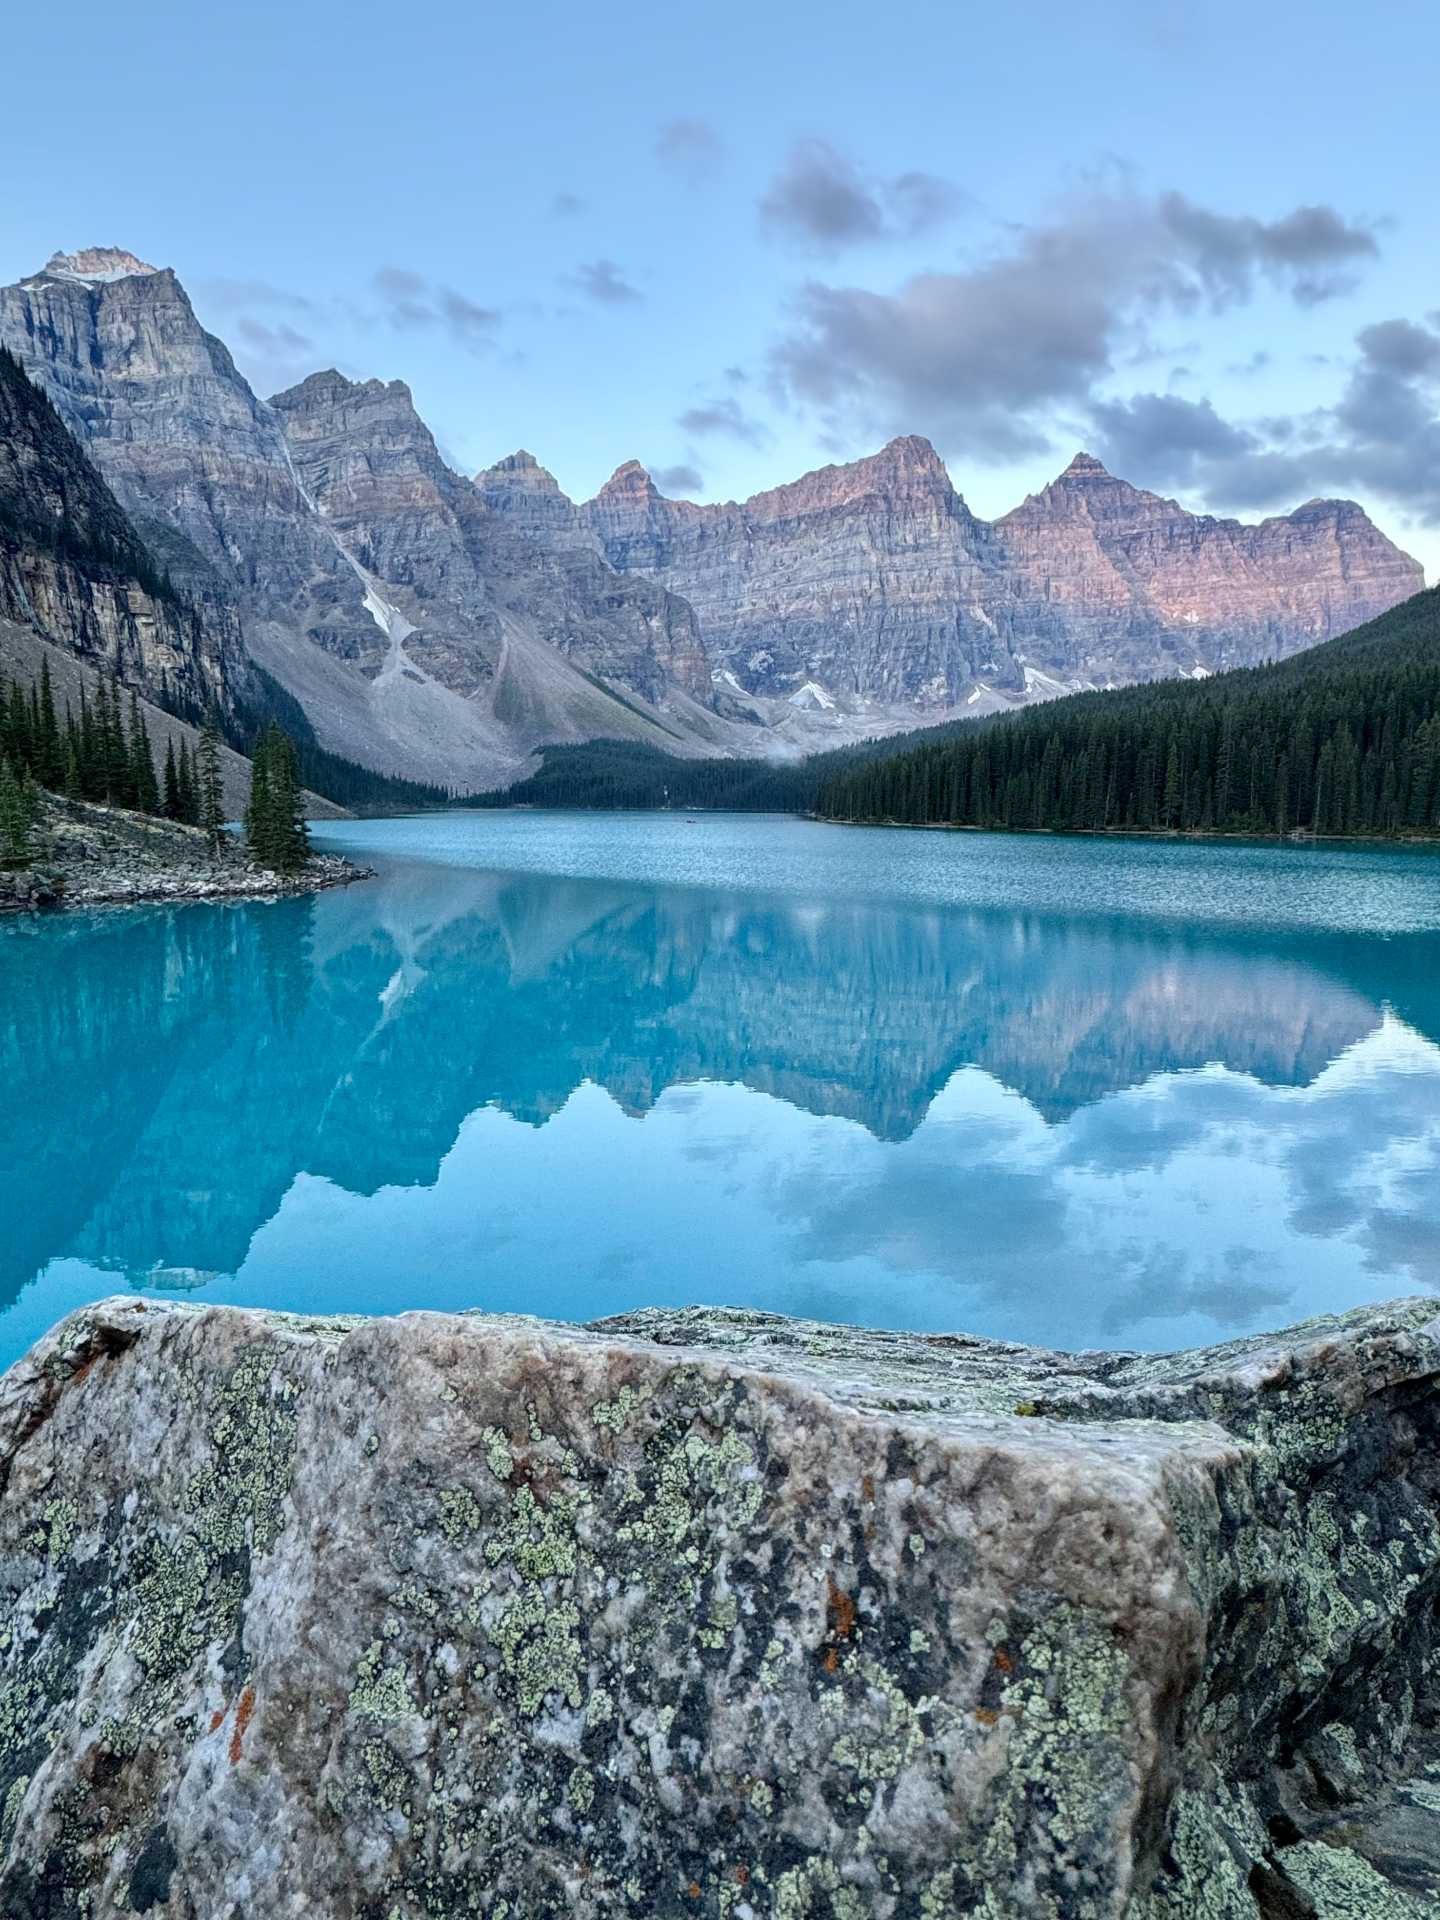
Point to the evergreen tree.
(289, 804)
(49, 761)
(188, 786)
(275, 818)
(259, 809)
(17, 817)
(143, 786)
(170, 785)
(209, 785)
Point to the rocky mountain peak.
(911, 453)
(315, 386)
(1085, 464)
(631, 481)
(518, 469)
(96, 264)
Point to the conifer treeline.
(1341, 740)
(104, 753)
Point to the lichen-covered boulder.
(715, 1614)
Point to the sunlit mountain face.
(883, 1078)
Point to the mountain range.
(444, 627)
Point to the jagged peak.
(1086, 463)
(97, 265)
(912, 451)
(323, 380)
(330, 383)
(627, 480)
(521, 470)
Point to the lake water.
(1072, 1092)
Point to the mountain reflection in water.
(462, 1087)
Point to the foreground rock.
(90, 856)
(713, 1613)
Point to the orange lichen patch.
(216, 1717)
(243, 1715)
(987, 1716)
(867, 1487)
(84, 1367)
(841, 1609)
(1003, 1661)
(742, 1876)
(693, 1890)
(832, 1660)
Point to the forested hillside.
(625, 774)
(1342, 739)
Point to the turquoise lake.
(1070, 1092)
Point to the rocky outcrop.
(73, 567)
(874, 581)
(87, 855)
(715, 1613)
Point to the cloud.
(411, 303)
(1380, 437)
(1307, 250)
(724, 417)
(603, 281)
(679, 480)
(986, 357)
(465, 318)
(235, 294)
(820, 201)
(691, 149)
(274, 341)
(566, 205)
(1165, 438)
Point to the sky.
(737, 243)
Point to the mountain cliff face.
(72, 567)
(1117, 584)
(371, 466)
(875, 580)
(484, 644)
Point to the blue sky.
(739, 242)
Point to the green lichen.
(380, 1692)
(1345, 1887)
(459, 1513)
(62, 1526)
(540, 1646)
(498, 1456)
(538, 1540)
(387, 1784)
(617, 1414)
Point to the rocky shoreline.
(89, 856)
(716, 1613)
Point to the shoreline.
(40, 891)
(1407, 841)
